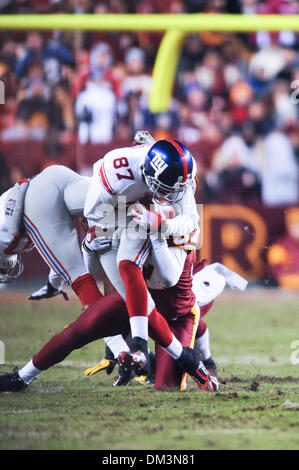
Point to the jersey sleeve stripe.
(105, 181)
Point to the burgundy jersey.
(199, 265)
(179, 299)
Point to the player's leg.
(158, 327)
(132, 253)
(168, 373)
(50, 226)
(202, 344)
(107, 316)
(171, 373)
(136, 298)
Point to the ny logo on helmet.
(158, 164)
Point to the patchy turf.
(257, 407)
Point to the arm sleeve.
(169, 262)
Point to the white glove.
(93, 243)
(143, 138)
(148, 220)
(47, 292)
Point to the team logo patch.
(11, 203)
(158, 164)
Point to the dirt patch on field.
(261, 378)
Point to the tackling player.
(109, 316)
(209, 281)
(163, 172)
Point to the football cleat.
(190, 362)
(138, 358)
(107, 363)
(12, 382)
(124, 376)
(210, 366)
(136, 361)
(46, 292)
(144, 379)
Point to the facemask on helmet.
(168, 169)
(11, 267)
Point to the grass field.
(256, 408)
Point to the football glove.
(46, 292)
(93, 243)
(148, 220)
(143, 138)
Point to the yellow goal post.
(175, 26)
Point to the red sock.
(201, 329)
(158, 329)
(86, 289)
(136, 290)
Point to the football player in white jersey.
(161, 173)
(41, 212)
(171, 268)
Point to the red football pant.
(106, 317)
(168, 374)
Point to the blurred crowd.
(235, 95)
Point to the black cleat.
(210, 365)
(124, 376)
(137, 359)
(190, 362)
(12, 382)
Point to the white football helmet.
(11, 267)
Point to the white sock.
(203, 343)
(29, 372)
(175, 348)
(117, 344)
(139, 327)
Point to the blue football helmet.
(168, 170)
